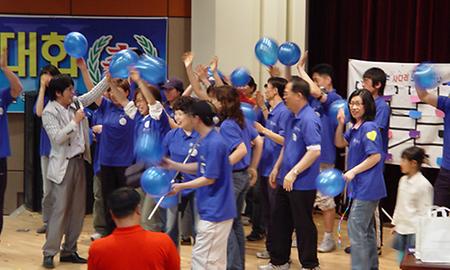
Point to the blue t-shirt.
(303, 130)
(97, 119)
(145, 124)
(169, 111)
(117, 143)
(383, 113)
(444, 105)
(275, 122)
(363, 142)
(44, 144)
(234, 135)
(328, 149)
(216, 202)
(5, 100)
(177, 145)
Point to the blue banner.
(34, 42)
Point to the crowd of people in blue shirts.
(221, 156)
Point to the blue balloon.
(155, 181)
(266, 50)
(75, 44)
(248, 111)
(335, 107)
(425, 76)
(330, 182)
(149, 148)
(289, 53)
(121, 63)
(168, 201)
(240, 77)
(152, 69)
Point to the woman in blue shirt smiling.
(365, 174)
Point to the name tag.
(122, 121)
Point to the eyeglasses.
(356, 104)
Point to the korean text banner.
(34, 42)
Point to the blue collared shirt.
(383, 113)
(276, 121)
(303, 132)
(363, 142)
(444, 105)
(5, 100)
(44, 144)
(216, 202)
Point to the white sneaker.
(263, 254)
(274, 267)
(327, 245)
(96, 236)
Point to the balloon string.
(340, 222)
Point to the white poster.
(412, 122)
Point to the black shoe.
(185, 241)
(348, 250)
(42, 229)
(48, 262)
(72, 258)
(255, 236)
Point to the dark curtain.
(378, 30)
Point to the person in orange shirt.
(131, 247)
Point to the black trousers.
(267, 203)
(3, 182)
(442, 188)
(293, 210)
(258, 223)
(112, 178)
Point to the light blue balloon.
(75, 44)
(425, 76)
(240, 77)
(121, 63)
(266, 50)
(168, 201)
(152, 69)
(336, 106)
(155, 181)
(148, 148)
(330, 182)
(289, 53)
(248, 111)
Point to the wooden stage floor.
(20, 247)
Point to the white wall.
(231, 28)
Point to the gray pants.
(361, 231)
(67, 214)
(156, 224)
(99, 207)
(46, 202)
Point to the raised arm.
(95, 94)
(315, 90)
(14, 82)
(339, 139)
(426, 96)
(187, 59)
(85, 73)
(44, 80)
(214, 68)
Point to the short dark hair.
(58, 84)
(377, 75)
(279, 83)
(228, 97)
(183, 103)
(415, 153)
(368, 103)
(323, 69)
(301, 86)
(205, 111)
(123, 202)
(49, 69)
(251, 83)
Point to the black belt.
(76, 156)
(241, 170)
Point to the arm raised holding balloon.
(85, 74)
(315, 90)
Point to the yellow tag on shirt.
(371, 135)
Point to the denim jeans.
(361, 231)
(236, 239)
